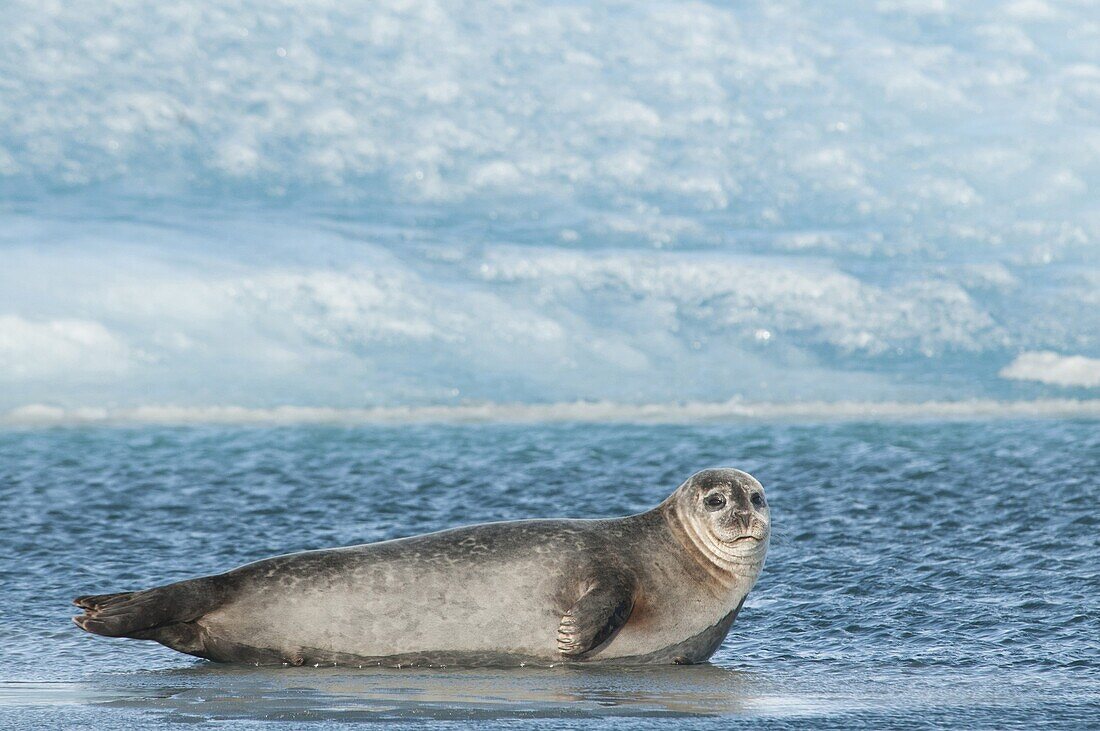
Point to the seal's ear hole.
(715, 501)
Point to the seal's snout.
(744, 517)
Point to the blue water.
(919, 574)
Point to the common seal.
(663, 586)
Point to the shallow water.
(919, 573)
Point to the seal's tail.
(143, 614)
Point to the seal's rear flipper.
(151, 614)
(596, 616)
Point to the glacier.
(415, 204)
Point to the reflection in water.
(916, 597)
(209, 691)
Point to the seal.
(659, 587)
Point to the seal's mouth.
(739, 539)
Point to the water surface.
(919, 573)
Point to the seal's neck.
(728, 569)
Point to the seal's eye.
(714, 501)
(758, 499)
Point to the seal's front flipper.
(595, 618)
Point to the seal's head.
(725, 515)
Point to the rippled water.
(918, 572)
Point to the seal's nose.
(744, 517)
